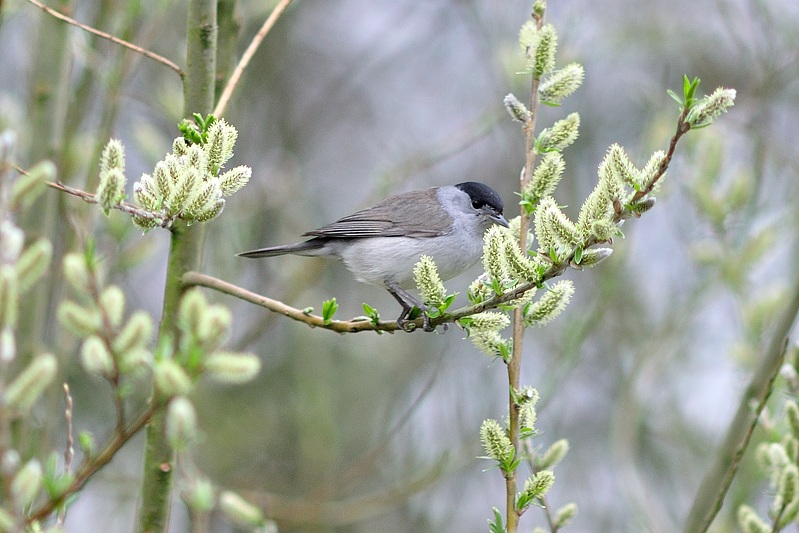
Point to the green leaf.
(329, 308)
(497, 525)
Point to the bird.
(382, 244)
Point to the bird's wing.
(412, 214)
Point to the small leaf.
(329, 308)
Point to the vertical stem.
(514, 365)
(184, 255)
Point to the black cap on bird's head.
(484, 198)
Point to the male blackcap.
(381, 245)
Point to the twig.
(122, 206)
(130, 46)
(92, 464)
(235, 77)
(713, 489)
(514, 365)
(69, 451)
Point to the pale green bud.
(525, 399)
(561, 83)
(553, 229)
(9, 297)
(144, 197)
(113, 157)
(8, 344)
(95, 357)
(706, 110)
(186, 187)
(494, 261)
(234, 179)
(479, 290)
(604, 230)
(542, 52)
(206, 195)
(215, 326)
(546, 177)
(27, 483)
(554, 454)
(519, 265)
(27, 188)
(77, 273)
(181, 423)
(596, 207)
(642, 206)
(179, 146)
(197, 158)
(219, 148)
(490, 320)
(240, 511)
(112, 302)
(425, 274)
(791, 446)
(561, 135)
(12, 239)
(135, 334)
(229, 367)
(10, 462)
(792, 415)
(200, 495)
(495, 441)
(79, 320)
(192, 311)
(162, 179)
(539, 484)
(7, 521)
(111, 189)
(565, 514)
(28, 386)
(134, 359)
(621, 168)
(33, 263)
(593, 257)
(87, 444)
(750, 522)
(787, 489)
(550, 304)
(528, 34)
(491, 343)
(517, 110)
(211, 211)
(171, 379)
(651, 169)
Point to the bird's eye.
(476, 204)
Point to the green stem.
(184, 255)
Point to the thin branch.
(130, 46)
(92, 464)
(69, 451)
(514, 365)
(235, 77)
(122, 206)
(713, 489)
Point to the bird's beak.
(499, 219)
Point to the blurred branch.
(146, 53)
(349, 511)
(710, 495)
(247, 56)
(92, 464)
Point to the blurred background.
(352, 100)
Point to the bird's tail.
(309, 247)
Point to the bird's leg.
(408, 302)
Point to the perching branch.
(122, 206)
(130, 46)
